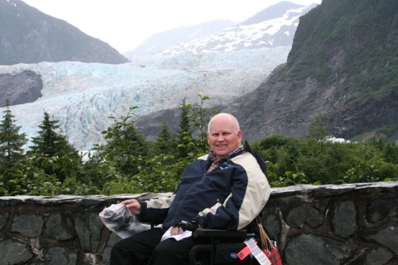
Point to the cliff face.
(30, 36)
(343, 64)
(20, 88)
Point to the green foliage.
(162, 172)
(128, 163)
(11, 150)
(318, 129)
(185, 145)
(296, 161)
(368, 161)
(166, 142)
(200, 118)
(52, 152)
(49, 141)
(126, 149)
(193, 123)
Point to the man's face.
(223, 136)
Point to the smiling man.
(225, 189)
(223, 134)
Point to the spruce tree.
(52, 151)
(185, 132)
(166, 143)
(49, 141)
(11, 146)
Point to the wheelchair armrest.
(219, 233)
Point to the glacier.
(82, 96)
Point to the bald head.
(225, 117)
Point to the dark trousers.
(145, 248)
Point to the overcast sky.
(125, 24)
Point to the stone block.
(14, 252)
(29, 225)
(313, 249)
(58, 228)
(88, 227)
(344, 219)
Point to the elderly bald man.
(225, 189)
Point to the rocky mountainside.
(20, 88)
(343, 65)
(82, 96)
(30, 36)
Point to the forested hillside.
(343, 64)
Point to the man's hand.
(133, 205)
(183, 226)
(175, 230)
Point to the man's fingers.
(129, 201)
(176, 231)
(133, 205)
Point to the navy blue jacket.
(229, 197)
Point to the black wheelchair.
(222, 246)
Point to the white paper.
(184, 234)
(257, 253)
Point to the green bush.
(117, 167)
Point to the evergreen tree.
(166, 143)
(49, 141)
(11, 147)
(185, 132)
(52, 151)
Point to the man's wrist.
(190, 226)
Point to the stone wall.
(320, 225)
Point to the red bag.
(269, 248)
(273, 256)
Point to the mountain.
(30, 36)
(343, 65)
(83, 95)
(166, 39)
(273, 27)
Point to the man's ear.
(240, 134)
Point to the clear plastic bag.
(121, 221)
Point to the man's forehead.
(222, 128)
(219, 130)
